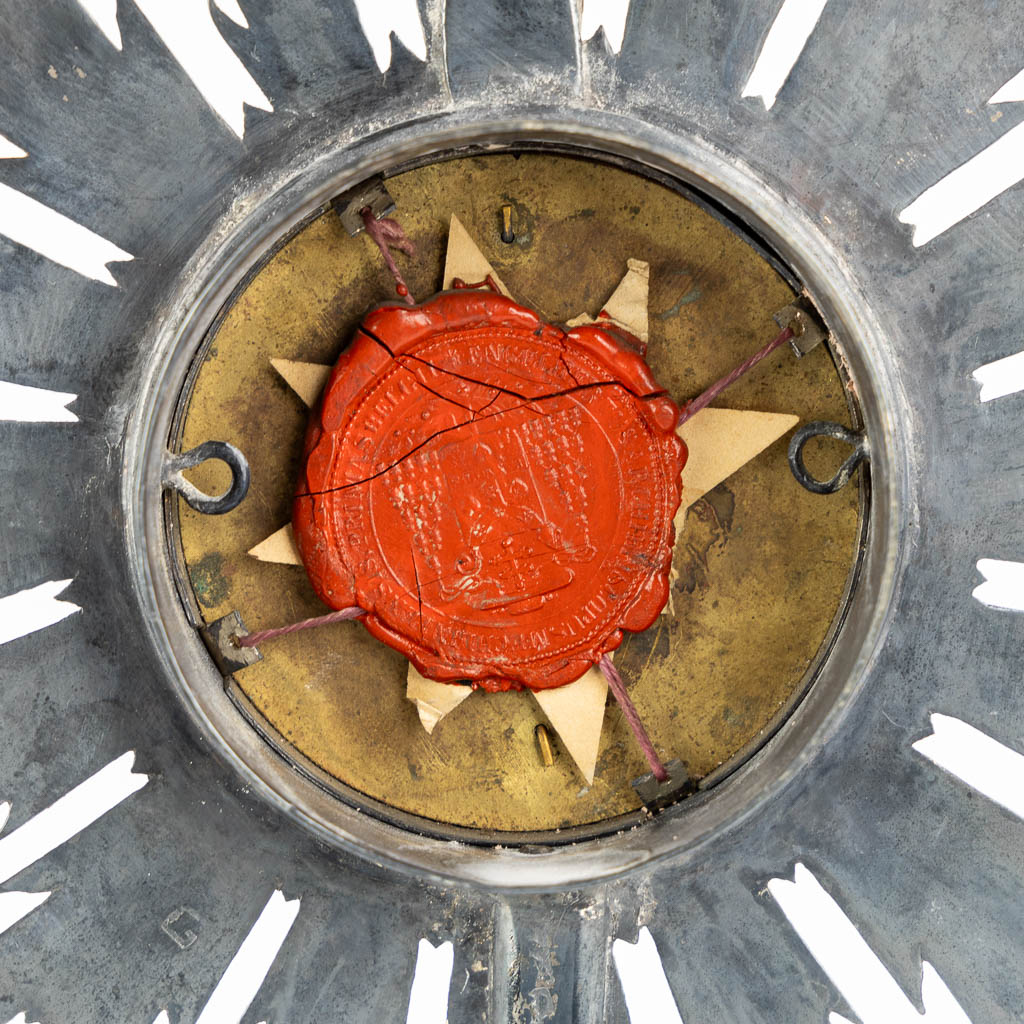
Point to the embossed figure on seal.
(495, 492)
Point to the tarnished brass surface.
(762, 563)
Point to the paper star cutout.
(576, 713)
(279, 547)
(720, 442)
(307, 380)
(465, 261)
(433, 700)
(628, 305)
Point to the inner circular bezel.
(237, 252)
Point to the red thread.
(252, 639)
(618, 688)
(705, 399)
(388, 234)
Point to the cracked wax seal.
(496, 493)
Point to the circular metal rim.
(409, 821)
(296, 195)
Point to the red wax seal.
(495, 492)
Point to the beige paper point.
(465, 260)
(721, 441)
(278, 547)
(576, 713)
(628, 305)
(433, 700)
(307, 380)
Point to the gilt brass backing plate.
(763, 566)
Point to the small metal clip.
(208, 504)
(808, 330)
(845, 471)
(349, 205)
(228, 655)
(655, 795)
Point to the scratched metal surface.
(761, 564)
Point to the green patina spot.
(208, 581)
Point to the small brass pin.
(507, 234)
(544, 742)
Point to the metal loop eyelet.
(214, 505)
(820, 428)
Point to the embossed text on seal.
(495, 492)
